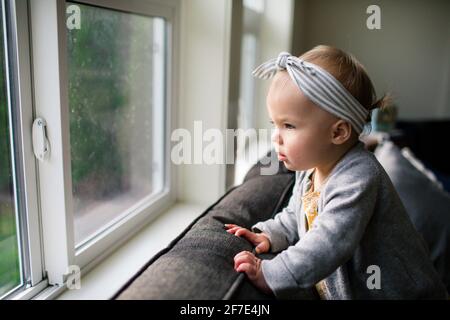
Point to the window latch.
(41, 146)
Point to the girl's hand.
(260, 240)
(247, 262)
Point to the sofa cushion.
(427, 205)
(199, 263)
(412, 159)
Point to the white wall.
(408, 56)
(275, 36)
(204, 75)
(203, 86)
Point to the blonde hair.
(350, 72)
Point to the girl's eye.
(289, 126)
(285, 125)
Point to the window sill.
(105, 279)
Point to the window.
(102, 75)
(116, 100)
(10, 270)
(21, 267)
(104, 88)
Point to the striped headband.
(319, 86)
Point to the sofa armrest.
(198, 264)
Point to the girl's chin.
(288, 165)
(291, 166)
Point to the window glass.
(116, 98)
(9, 250)
(247, 150)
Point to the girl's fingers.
(262, 247)
(244, 232)
(248, 268)
(242, 259)
(244, 256)
(244, 253)
(233, 230)
(256, 239)
(230, 225)
(239, 261)
(246, 262)
(239, 231)
(250, 236)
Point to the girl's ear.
(341, 131)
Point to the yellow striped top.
(310, 206)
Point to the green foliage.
(96, 98)
(9, 259)
(5, 164)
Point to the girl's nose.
(276, 137)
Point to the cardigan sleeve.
(283, 228)
(349, 200)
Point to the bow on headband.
(319, 86)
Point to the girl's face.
(302, 130)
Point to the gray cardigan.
(362, 231)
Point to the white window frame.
(19, 96)
(48, 23)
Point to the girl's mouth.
(281, 157)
